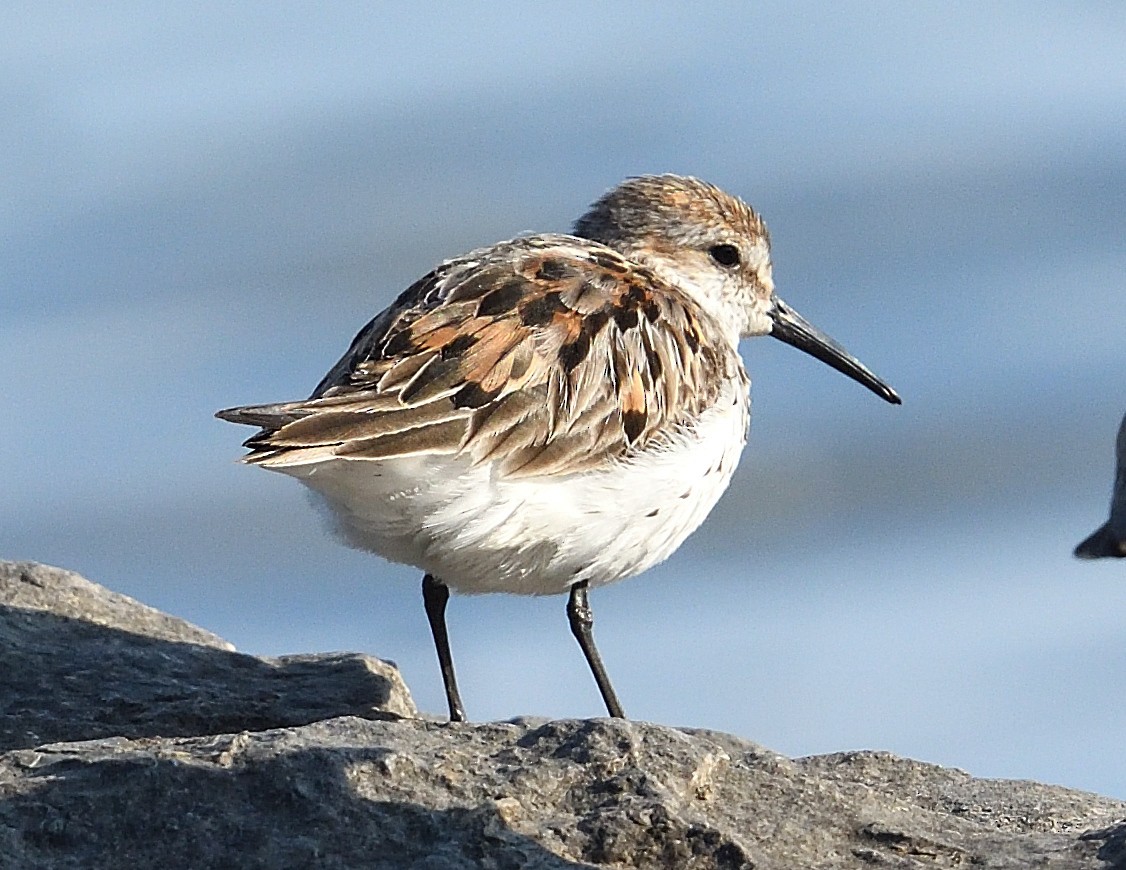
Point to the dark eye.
(725, 255)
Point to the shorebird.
(550, 413)
(1109, 540)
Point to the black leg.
(582, 619)
(435, 594)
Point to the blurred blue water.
(199, 209)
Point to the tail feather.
(267, 416)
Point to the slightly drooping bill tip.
(795, 330)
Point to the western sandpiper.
(553, 412)
(1109, 539)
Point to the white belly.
(480, 532)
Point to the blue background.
(200, 207)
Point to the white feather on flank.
(481, 531)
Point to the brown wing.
(546, 354)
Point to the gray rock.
(79, 662)
(388, 792)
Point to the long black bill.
(792, 328)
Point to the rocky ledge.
(133, 739)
